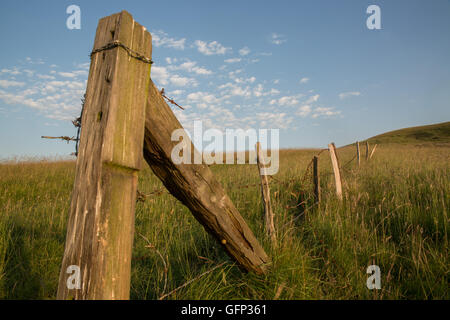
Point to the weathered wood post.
(316, 181)
(195, 186)
(367, 150)
(373, 151)
(358, 156)
(336, 170)
(265, 192)
(101, 218)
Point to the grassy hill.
(435, 133)
(394, 214)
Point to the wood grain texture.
(101, 216)
(195, 186)
(265, 192)
(336, 169)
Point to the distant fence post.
(367, 150)
(265, 191)
(337, 173)
(373, 150)
(358, 155)
(100, 226)
(316, 181)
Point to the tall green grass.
(394, 214)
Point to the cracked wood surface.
(196, 187)
(100, 225)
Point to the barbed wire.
(169, 99)
(66, 138)
(130, 52)
(141, 197)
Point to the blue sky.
(310, 68)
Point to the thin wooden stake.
(97, 256)
(265, 191)
(316, 181)
(358, 155)
(367, 150)
(337, 173)
(373, 151)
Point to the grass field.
(394, 214)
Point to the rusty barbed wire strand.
(131, 52)
(66, 138)
(77, 123)
(141, 197)
(170, 100)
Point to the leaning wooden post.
(367, 150)
(337, 173)
(100, 228)
(358, 155)
(265, 191)
(373, 151)
(195, 185)
(316, 181)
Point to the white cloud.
(67, 74)
(244, 80)
(182, 81)
(162, 39)
(244, 51)
(312, 99)
(274, 120)
(13, 71)
(233, 60)
(277, 38)
(327, 112)
(211, 48)
(304, 110)
(304, 80)
(11, 83)
(160, 75)
(191, 66)
(45, 76)
(176, 92)
(287, 100)
(344, 95)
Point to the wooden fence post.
(358, 155)
(316, 181)
(373, 150)
(367, 150)
(265, 192)
(337, 173)
(100, 226)
(195, 186)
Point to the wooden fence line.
(126, 119)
